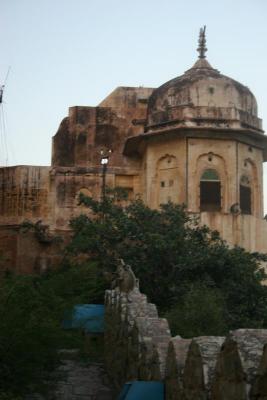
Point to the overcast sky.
(75, 52)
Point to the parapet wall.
(139, 346)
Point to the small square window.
(162, 184)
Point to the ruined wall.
(22, 252)
(138, 346)
(87, 130)
(24, 194)
(51, 193)
(76, 151)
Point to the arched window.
(210, 191)
(245, 195)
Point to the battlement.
(139, 346)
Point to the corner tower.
(203, 145)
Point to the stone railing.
(139, 346)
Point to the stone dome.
(202, 96)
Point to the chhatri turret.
(203, 145)
(203, 97)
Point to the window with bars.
(210, 191)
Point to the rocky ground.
(82, 381)
(78, 379)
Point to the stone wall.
(139, 346)
(24, 194)
(22, 252)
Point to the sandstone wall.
(24, 194)
(77, 145)
(87, 130)
(22, 252)
(138, 346)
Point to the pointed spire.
(202, 42)
(202, 64)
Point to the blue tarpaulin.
(89, 317)
(141, 390)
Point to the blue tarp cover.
(89, 317)
(141, 390)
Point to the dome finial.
(202, 42)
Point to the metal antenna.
(202, 42)
(2, 87)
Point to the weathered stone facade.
(196, 140)
(138, 346)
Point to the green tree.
(201, 311)
(169, 251)
(29, 331)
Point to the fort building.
(196, 139)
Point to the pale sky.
(64, 53)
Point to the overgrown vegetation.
(202, 285)
(32, 309)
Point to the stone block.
(239, 364)
(200, 366)
(176, 357)
(259, 388)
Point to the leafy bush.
(31, 312)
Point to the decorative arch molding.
(249, 188)
(250, 165)
(167, 161)
(212, 161)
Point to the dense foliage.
(204, 286)
(32, 309)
